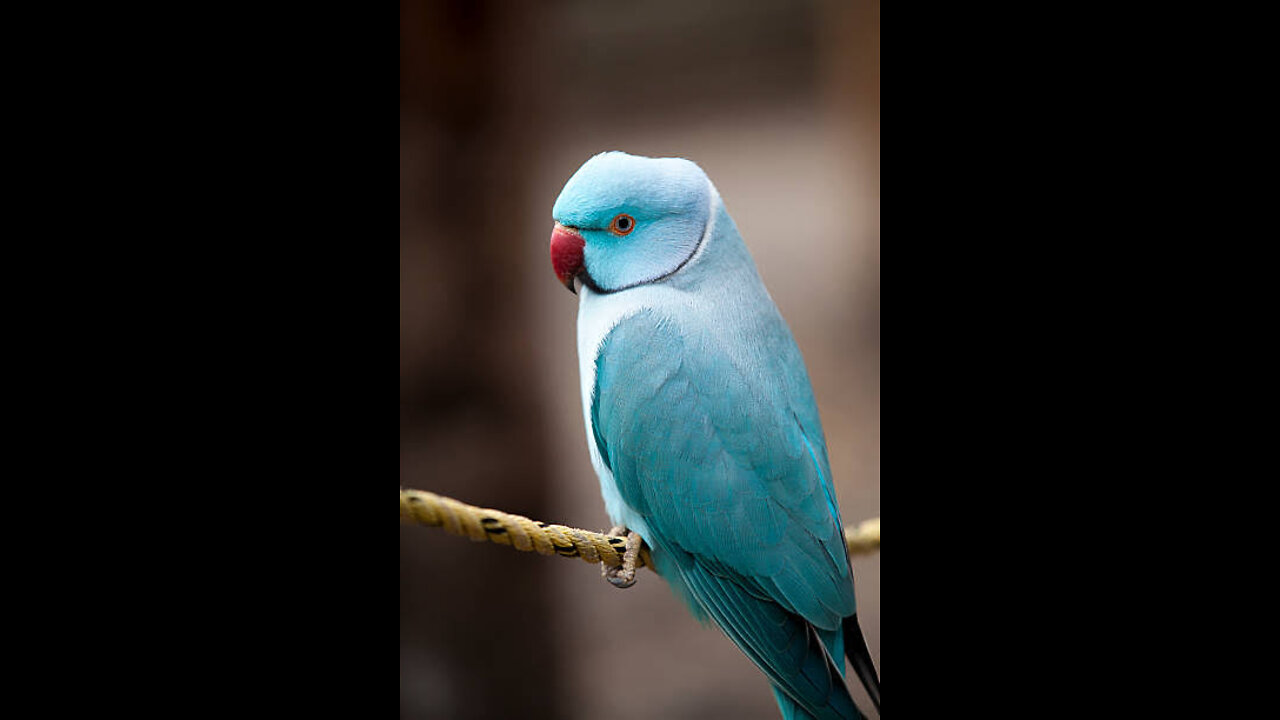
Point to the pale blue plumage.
(704, 427)
(670, 212)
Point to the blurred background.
(500, 102)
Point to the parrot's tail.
(855, 646)
(792, 711)
(840, 704)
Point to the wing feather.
(718, 445)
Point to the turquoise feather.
(705, 430)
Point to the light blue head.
(639, 219)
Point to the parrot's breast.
(598, 315)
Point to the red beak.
(566, 254)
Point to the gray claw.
(625, 576)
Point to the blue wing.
(713, 437)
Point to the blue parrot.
(702, 426)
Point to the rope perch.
(418, 507)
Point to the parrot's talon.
(625, 576)
(615, 577)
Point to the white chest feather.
(598, 315)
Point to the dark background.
(499, 104)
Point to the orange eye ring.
(623, 224)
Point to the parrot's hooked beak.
(566, 254)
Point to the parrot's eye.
(622, 225)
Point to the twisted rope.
(418, 507)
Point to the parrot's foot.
(625, 576)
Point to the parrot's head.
(624, 220)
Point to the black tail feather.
(855, 646)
